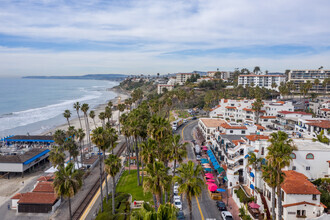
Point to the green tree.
(67, 182)
(165, 212)
(57, 156)
(190, 184)
(316, 84)
(59, 137)
(279, 156)
(84, 109)
(256, 70)
(121, 108)
(256, 106)
(102, 118)
(80, 135)
(112, 167)
(76, 106)
(67, 115)
(92, 116)
(255, 163)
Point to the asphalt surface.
(207, 207)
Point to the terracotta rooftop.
(255, 137)
(288, 112)
(212, 122)
(230, 107)
(325, 109)
(45, 186)
(17, 196)
(297, 183)
(248, 109)
(228, 126)
(38, 198)
(46, 178)
(267, 116)
(236, 142)
(260, 127)
(321, 124)
(304, 203)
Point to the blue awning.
(36, 157)
(252, 174)
(246, 156)
(221, 190)
(251, 186)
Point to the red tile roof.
(297, 183)
(254, 137)
(260, 127)
(236, 142)
(231, 107)
(46, 178)
(17, 196)
(267, 116)
(38, 198)
(325, 109)
(44, 187)
(248, 109)
(321, 124)
(228, 126)
(304, 203)
(288, 112)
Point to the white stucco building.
(261, 80)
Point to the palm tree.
(57, 156)
(255, 163)
(99, 140)
(80, 135)
(108, 113)
(67, 115)
(67, 182)
(77, 107)
(165, 212)
(59, 137)
(190, 184)
(92, 116)
(159, 129)
(156, 180)
(256, 70)
(279, 156)
(110, 105)
(178, 150)
(316, 84)
(84, 109)
(121, 108)
(102, 118)
(256, 106)
(112, 167)
(274, 85)
(269, 176)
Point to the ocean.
(36, 105)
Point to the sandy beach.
(121, 96)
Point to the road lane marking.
(199, 207)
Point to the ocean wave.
(30, 116)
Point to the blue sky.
(47, 37)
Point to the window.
(301, 213)
(262, 151)
(243, 132)
(294, 168)
(310, 156)
(314, 197)
(293, 156)
(308, 168)
(231, 131)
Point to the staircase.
(265, 205)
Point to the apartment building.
(181, 78)
(302, 76)
(241, 111)
(162, 87)
(265, 81)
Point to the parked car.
(178, 204)
(193, 141)
(198, 157)
(225, 215)
(193, 118)
(180, 215)
(185, 120)
(221, 206)
(177, 197)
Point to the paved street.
(207, 207)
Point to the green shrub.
(242, 197)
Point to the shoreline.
(97, 109)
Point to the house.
(37, 202)
(209, 125)
(181, 78)
(286, 120)
(300, 198)
(162, 87)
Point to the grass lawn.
(128, 184)
(183, 114)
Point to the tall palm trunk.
(190, 207)
(106, 178)
(155, 201)
(142, 165)
(79, 119)
(81, 153)
(137, 161)
(273, 204)
(68, 121)
(279, 197)
(94, 122)
(113, 194)
(100, 161)
(70, 208)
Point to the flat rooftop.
(30, 138)
(303, 144)
(25, 158)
